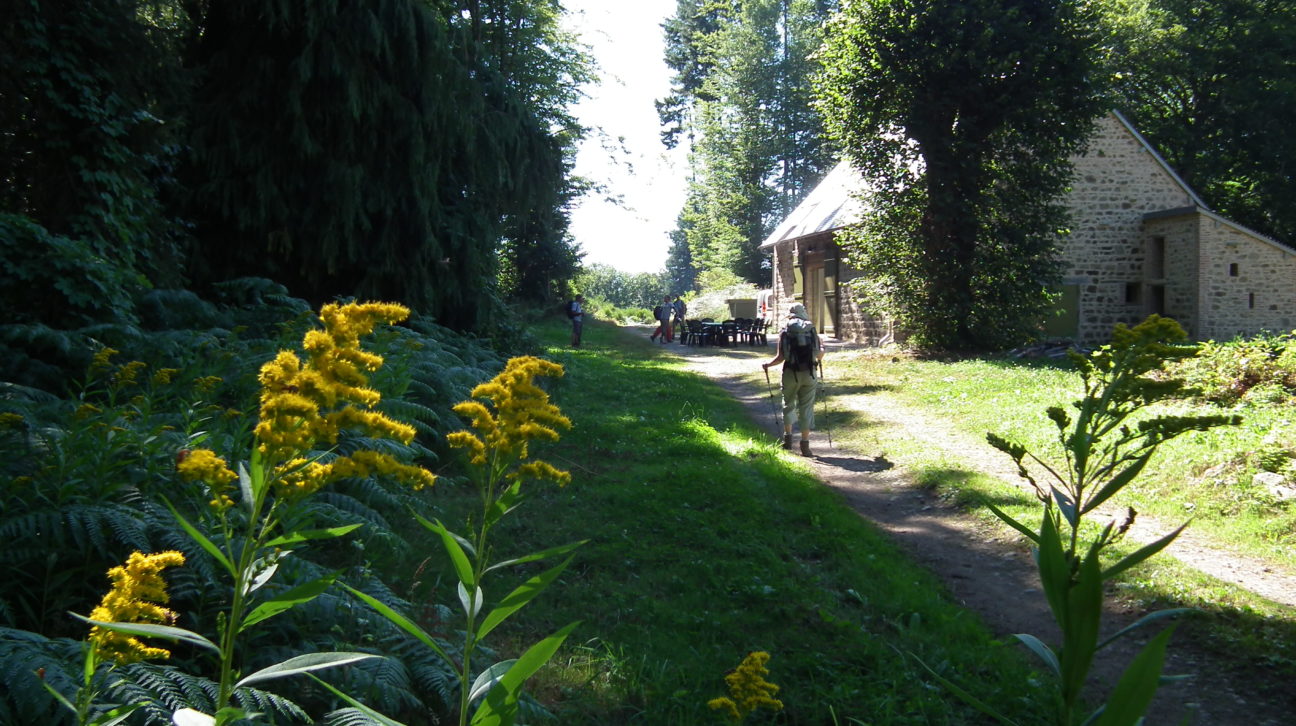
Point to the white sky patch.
(624, 150)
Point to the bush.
(604, 310)
(713, 303)
(1261, 369)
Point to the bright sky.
(624, 151)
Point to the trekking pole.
(823, 389)
(778, 423)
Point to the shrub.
(1261, 369)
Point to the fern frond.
(22, 655)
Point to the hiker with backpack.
(576, 314)
(799, 350)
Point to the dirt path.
(989, 570)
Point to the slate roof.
(829, 206)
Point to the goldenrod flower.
(100, 360)
(205, 466)
(207, 384)
(135, 597)
(86, 410)
(127, 374)
(163, 376)
(748, 689)
(522, 413)
(306, 404)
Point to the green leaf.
(202, 540)
(288, 600)
(1137, 685)
(500, 705)
(1147, 620)
(1054, 567)
(524, 594)
(376, 716)
(303, 664)
(488, 678)
(536, 556)
(166, 632)
(1142, 554)
(1044, 652)
(296, 538)
(1118, 482)
(463, 568)
(246, 490)
(1030, 533)
(403, 623)
(1066, 506)
(1080, 630)
(58, 696)
(966, 696)
(471, 605)
(118, 715)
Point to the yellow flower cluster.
(304, 405)
(205, 466)
(101, 358)
(127, 374)
(163, 376)
(522, 413)
(748, 689)
(137, 590)
(302, 478)
(10, 420)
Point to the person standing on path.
(663, 313)
(577, 316)
(799, 350)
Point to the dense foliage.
(967, 154)
(1212, 84)
(622, 289)
(405, 149)
(741, 95)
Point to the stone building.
(1142, 242)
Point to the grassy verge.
(1204, 476)
(706, 543)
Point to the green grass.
(1202, 476)
(705, 542)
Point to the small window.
(1251, 300)
(1133, 293)
(1233, 269)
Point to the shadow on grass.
(838, 419)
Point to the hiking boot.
(805, 447)
(787, 441)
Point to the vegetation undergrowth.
(705, 543)
(1205, 475)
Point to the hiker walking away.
(576, 313)
(662, 314)
(799, 350)
(680, 310)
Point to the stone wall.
(1173, 237)
(1117, 181)
(853, 324)
(1248, 284)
